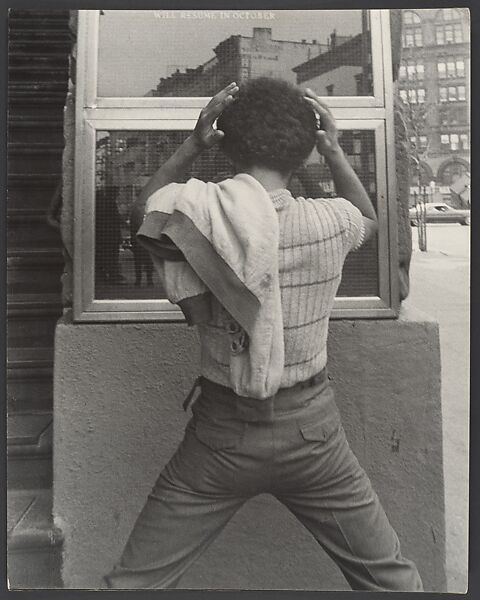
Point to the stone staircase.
(39, 45)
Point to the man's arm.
(347, 184)
(174, 169)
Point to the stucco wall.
(118, 418)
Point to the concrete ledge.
(118, 418)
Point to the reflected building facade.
(239, 58)
(345, 69)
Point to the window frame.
(180, 113)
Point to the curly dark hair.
(269, 124)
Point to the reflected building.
(344, 70)
(239, 58)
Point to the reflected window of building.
(461, 95)
(316, 48)
(403, 96)
(443, 94)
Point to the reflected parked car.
(439, 212)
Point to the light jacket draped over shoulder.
(222, 239)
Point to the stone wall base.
(118, 418)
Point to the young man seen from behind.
(290, 444)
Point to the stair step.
(33, 543)
(39, 69)
(31, 23)
(39, 47)
(36, 269)
(29, 363)
(29, 450)
(37, 164)
(31, 329)
(34, 120)
(31, 198)
(27, 148)
(36, 304)
(28, 512)
(28, 13)
(28, 433)
(30, 393)
(27, 180)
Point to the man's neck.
(270, 179)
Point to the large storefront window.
(140, 88)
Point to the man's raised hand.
(204, 133)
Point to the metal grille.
(126, 159)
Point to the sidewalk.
(440, 286)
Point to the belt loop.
(191, 397)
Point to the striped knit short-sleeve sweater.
(315, 238)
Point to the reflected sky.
(138, 47)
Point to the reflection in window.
(319, 49)
(452, 172)
(124, 270)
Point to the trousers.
(292, 446)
